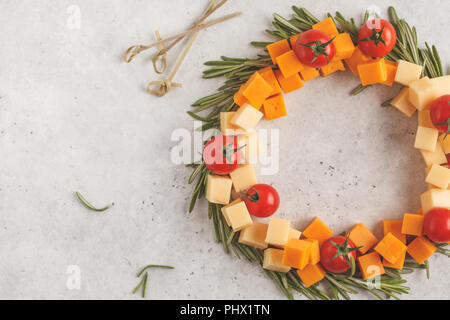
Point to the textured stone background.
(73, 117)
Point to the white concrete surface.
(74, 117)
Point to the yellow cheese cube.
(255, 235)
(435, 198)
(226, 127)
(246, 117)
(436, 157)
(425, 119)
(442, 85)
(438, 176)
(226, 206)
(293, 234)
(422, 92)
(272, 260)
(250, 145)
(401, 102)
(243, 177)
(278, 232)
(426, 139)
(239, 216)
(407, 72)
(445, 143)
(218, 189)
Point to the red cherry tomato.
(440, 113)
(336, 254)
(261, 200)
(221, 154)
(436, 225)
(377, 38)
(314, 48)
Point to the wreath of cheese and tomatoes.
(297, 259)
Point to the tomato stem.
(376, 37)
(252, 197)
(318, 48)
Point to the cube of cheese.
(224, 213)
(254, 235)
(362, 237)
(442, 85)
(412, 224)
(239, 216)
(422, 93)
(394, 227)
(293, 234)
(373, 72)
(318, 230)
(401, 102)
(426, 139)
(226, 127)
(246, 117)
(273, 260)
(370, 265)
(289, 64)
(435, 198)
(436, 157)
(256, 90)
(390, 248)
(407, 72)
(421, 249)
(278, 231)
(445, 143)
(344, 46)
(297, 253)
(424, 118)
(311, 274)
(251, 147)
(439, 176)
(314, 258)
(398, 265)
(243, 177)
(218, 189)
(328, 26)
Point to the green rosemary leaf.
(90, 206)
(260, 43)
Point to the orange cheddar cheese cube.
(394, 227)
(296, 253)
(370, 265)
(239, 98)
(289, 84)
(391, 69)
(272, 260)
(318, 230)
(289, 64)
(314, 257)
(292, 234)
(328, 26)
(372, 72)
(276, 49)
(309, 73)
(390, 248)
(357, 58)
(274, 107)
(412, 224)
(311, 274)
(398, 265)
(344, 46)
(421, 249)
(269, 76)
(293, 39)
(362, 237)
(256, 90)
(332, 67)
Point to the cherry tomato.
(221, 154)
(440, 113)
(335, 254)
(261, 200)
(377, 38)
(436, 225)
(314, 48)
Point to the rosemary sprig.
(143, 283)
(90, 206)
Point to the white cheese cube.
(445, 142)
(436, 157)
(223, 209)
(422, 93)
(239, 216)
(246, 117)
(278, 232)
(425, 119)
(226, 127)
(273, 260)
(407, 72)
(435, 198)
(254, 235)
(293, 234)
(438, 176)
(426, 139)
(243, 177)
(250, 145)
(218, 189)
(401, 102)
(442, 85)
